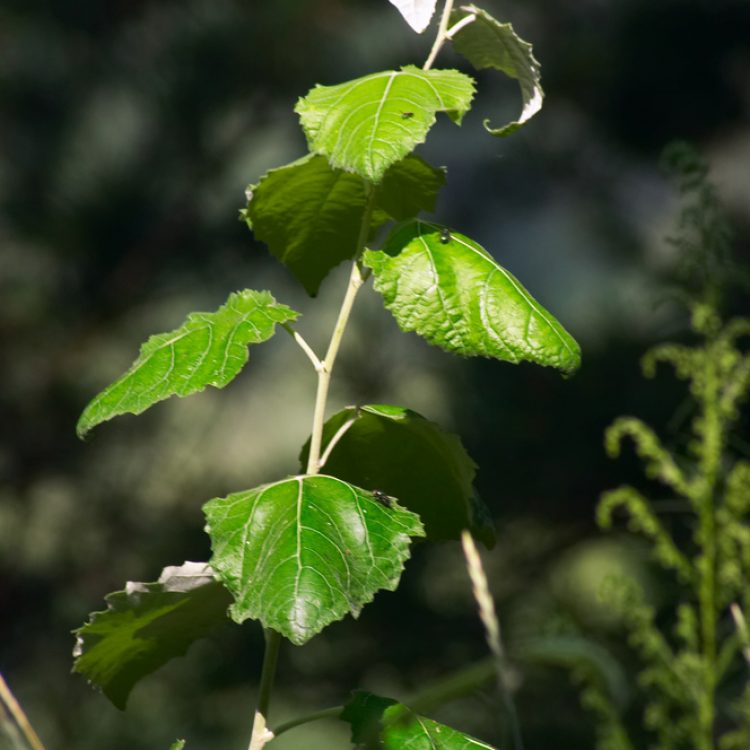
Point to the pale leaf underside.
(146, 625)
(417, 13)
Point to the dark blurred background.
(128, 132)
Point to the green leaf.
(310, 214)
(401, 453)
(366, 125)
(208, 349)
(146, 625)
(301, 553)
(378, 722)
(178, 745)
(451, 291)
(487, 43)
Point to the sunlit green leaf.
(487, 43)
(417, 13)
(208, 349)
(146, 625)
(177, 745)
(383, 723)
(452, 292)
(401, 453)
(301, 553)
(310, 214)
(366, 125)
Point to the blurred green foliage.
(129, 133)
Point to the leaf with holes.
(401, 453)
(384, 723)
(450, 291)
(487, 43)
(208, 349)
(366, 125)
(417, 13)
(302, 553)
(309, 214)
(146, 625)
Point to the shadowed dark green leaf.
(146, 625)
(310, 214)
(450, 291)
(302, 553)
(401, 453)
(487, 43)
(370, 123)
(383, 723)
(208, 349)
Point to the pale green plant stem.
(13, 707)
(262, 735)
(356, 279)
(306, 348)
(710, 455)
(335, 439)
(442, 35)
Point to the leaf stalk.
(327, 713)
(335, 439)
(306, 348)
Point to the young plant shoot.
(300, 552)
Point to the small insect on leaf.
(382, 498)
(406, 115)
(445, 236)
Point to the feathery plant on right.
(694, 672)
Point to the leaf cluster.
(301, 552)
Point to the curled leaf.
(487, 43)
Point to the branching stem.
(465, 21)
(262, 735)
(356, 280)
(442, 35)
(306, 348)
